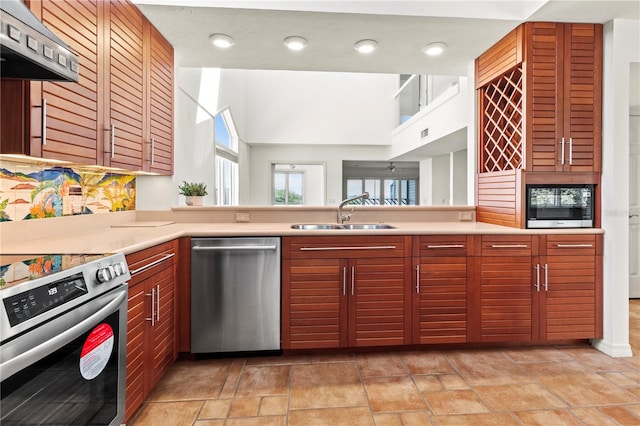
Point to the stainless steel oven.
(62, 354)
(560, 206)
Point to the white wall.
(459, 178)
(621, 47)
(440, 180)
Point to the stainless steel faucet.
(346, 217)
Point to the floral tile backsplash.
(33, 192)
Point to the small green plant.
(191, 189)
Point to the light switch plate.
(242, 217)
(465, 216)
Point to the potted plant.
(193, 192)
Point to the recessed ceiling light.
(366, 46)
(434, 49)
(222, 41)
(295, 42)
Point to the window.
(227, 174)
(388, 192)
(288, 187)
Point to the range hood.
(29, 50)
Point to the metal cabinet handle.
(509, 246)
(344, 281)
(153, 307)
(417, 279)
(158, 303)
(570, 151)
(546, 277)
(445, 246)
(112, 130)
(347, 248)
(44, 121)
(353, 280)
(154, 263)
(562, 153)
(537, 286)
(573, 245)
(153, 151)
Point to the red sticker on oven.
(96, 351)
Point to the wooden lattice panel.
(502, 126)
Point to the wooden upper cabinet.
(158, 146)
(564, 97)
(119, 114)
(123, 86)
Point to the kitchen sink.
(368, 226)
(316, 226)
(320, 226)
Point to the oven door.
(68, 375)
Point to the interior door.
(634, 206)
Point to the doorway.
(634, 181)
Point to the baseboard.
(613, 350)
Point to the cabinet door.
(440, 289)
(582, 109)
(124, 86)
(136, 324)
(162, 334)
(379, 302)
(64, 117)
(506, 288)
(159, 135)
(571, 290)
(314, 311)
(544, 96)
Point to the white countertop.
(130, 237)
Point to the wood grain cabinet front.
(119, 113)
(346, 291)
(442, 268)
(151, 321)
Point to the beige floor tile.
(274, 406)
(387, 419)
(257, 421)
(167, 413)
(331, 358)
(233, 377)
(593, 417)
(427, 363)
(595, 360)
(279, 360)
(209, 423)
(454, 402)
(416, 418)
(215, 409)
(634, 408)
(480, 368)
(326, 385)
(453, 382)
(264, 381)
(519, 397)
(525, 355)
(483, 419)
(546, 418)
(376, 364)
(624, 379)
(428, 383)
(192, 380)
(395, 393)
(244, 407)
(621, 415)
(331, 416)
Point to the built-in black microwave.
(560, 206)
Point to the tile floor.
(574, 385)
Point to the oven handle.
(25, 359)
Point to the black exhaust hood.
(29, 50)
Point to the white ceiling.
(402, 29)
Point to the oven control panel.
(38, 300)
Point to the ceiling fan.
(391, 167)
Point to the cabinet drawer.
(443, 245)
(507, 245)
(347, 247)
(573, 245)
(151, 261)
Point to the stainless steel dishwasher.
(235, 294)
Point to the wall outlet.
(466, 216)
(242, 217)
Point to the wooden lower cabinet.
(151, 321)
(440, 297)
(346, 291)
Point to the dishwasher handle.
(235, 248)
